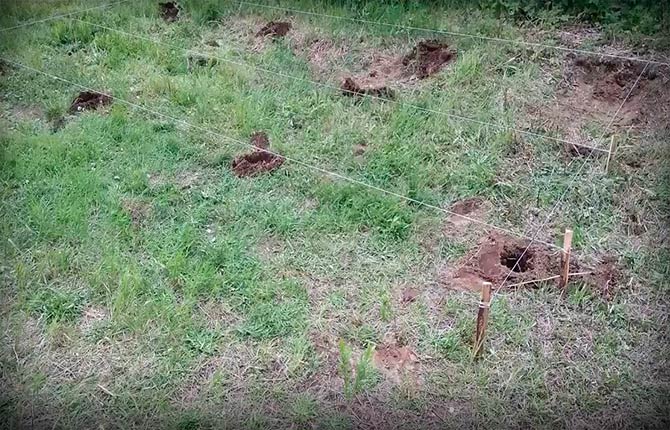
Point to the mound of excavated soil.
(610, 79)
(496, 256)
(169, 11)
(275, 29)
(593, 89)
(258, 161)
(352, 88)
(89, 100)
(427, 58)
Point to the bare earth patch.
(593, 89)
(137, 210)
(396, 362)
(425, 59)
(169, 11)
(499, 258)
(275, 29)
(89, 100)
(495, 257)
(258, 161)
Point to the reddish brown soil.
(88, 100)
(275, 29)
(352, 88)
(592, 91)
(467, 206)
(259, 161)
(607, 276)
(396, 361)
(169, 11)
(427, 58)
(496, 255)
(409, 295)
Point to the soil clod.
(275, 29)
(427, 58)
(169, 11)
(352, 88)
(89, 100)
(258, 161)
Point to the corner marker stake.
(565, 259)
(482, 318)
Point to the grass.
(145, 285)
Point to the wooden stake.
(482, 317)
(610, 154)
(565, 258)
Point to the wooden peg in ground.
(482, 318)
(565, 258)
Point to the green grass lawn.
(145, 285)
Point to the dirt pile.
(89, 100)
(498, 256)
(275, 29)
(258, 161)
(352, 88)
(593, 89)
(427, 58)
(169, 11)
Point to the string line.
(293, 160)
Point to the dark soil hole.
(169, 11)
(427, 58)
(352, 88)
(275, 29)
(259, 161)
(510, 256)
(89, 100)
